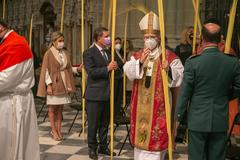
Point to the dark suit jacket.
(206, 86)
(98, 83)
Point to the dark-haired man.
(18, 122)
(210, 79)
(98, 65)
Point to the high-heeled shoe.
(61, 137)
(56, 138)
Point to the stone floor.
(74, 147)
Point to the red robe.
(148, 116)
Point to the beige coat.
(53, 66)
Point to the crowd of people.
(201, 84)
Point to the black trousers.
(98, 113)
(206, 145)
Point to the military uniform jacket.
(210, 79)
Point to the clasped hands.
(146, 52)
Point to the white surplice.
(18, 121)
(133, 71)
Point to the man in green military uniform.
(210, 79)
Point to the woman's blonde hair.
(54, 36)
(185, 36)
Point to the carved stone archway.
(49, 18)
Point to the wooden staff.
(62, 16)
(230, 26)
(125, 58)
(195, 27)
(103, 13)
(30, 32)
(165, 78)
(110, 14)
(4, 8)
(114, 3)
(83, 70)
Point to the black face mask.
(190, 36)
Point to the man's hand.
(146, 52)
(165, 65)
(49, 89)
(112, 66)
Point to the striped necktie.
(104, 55)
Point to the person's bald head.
(211, 32)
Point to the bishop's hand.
(146, 52)
(165, 65)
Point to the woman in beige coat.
(56, 82)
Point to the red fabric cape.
(13, 50)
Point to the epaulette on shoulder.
(194, 56)
(231, 55)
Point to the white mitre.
(150, 24)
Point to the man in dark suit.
(209, 81)
(97, 63)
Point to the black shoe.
(106, 152)
(93, 154)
